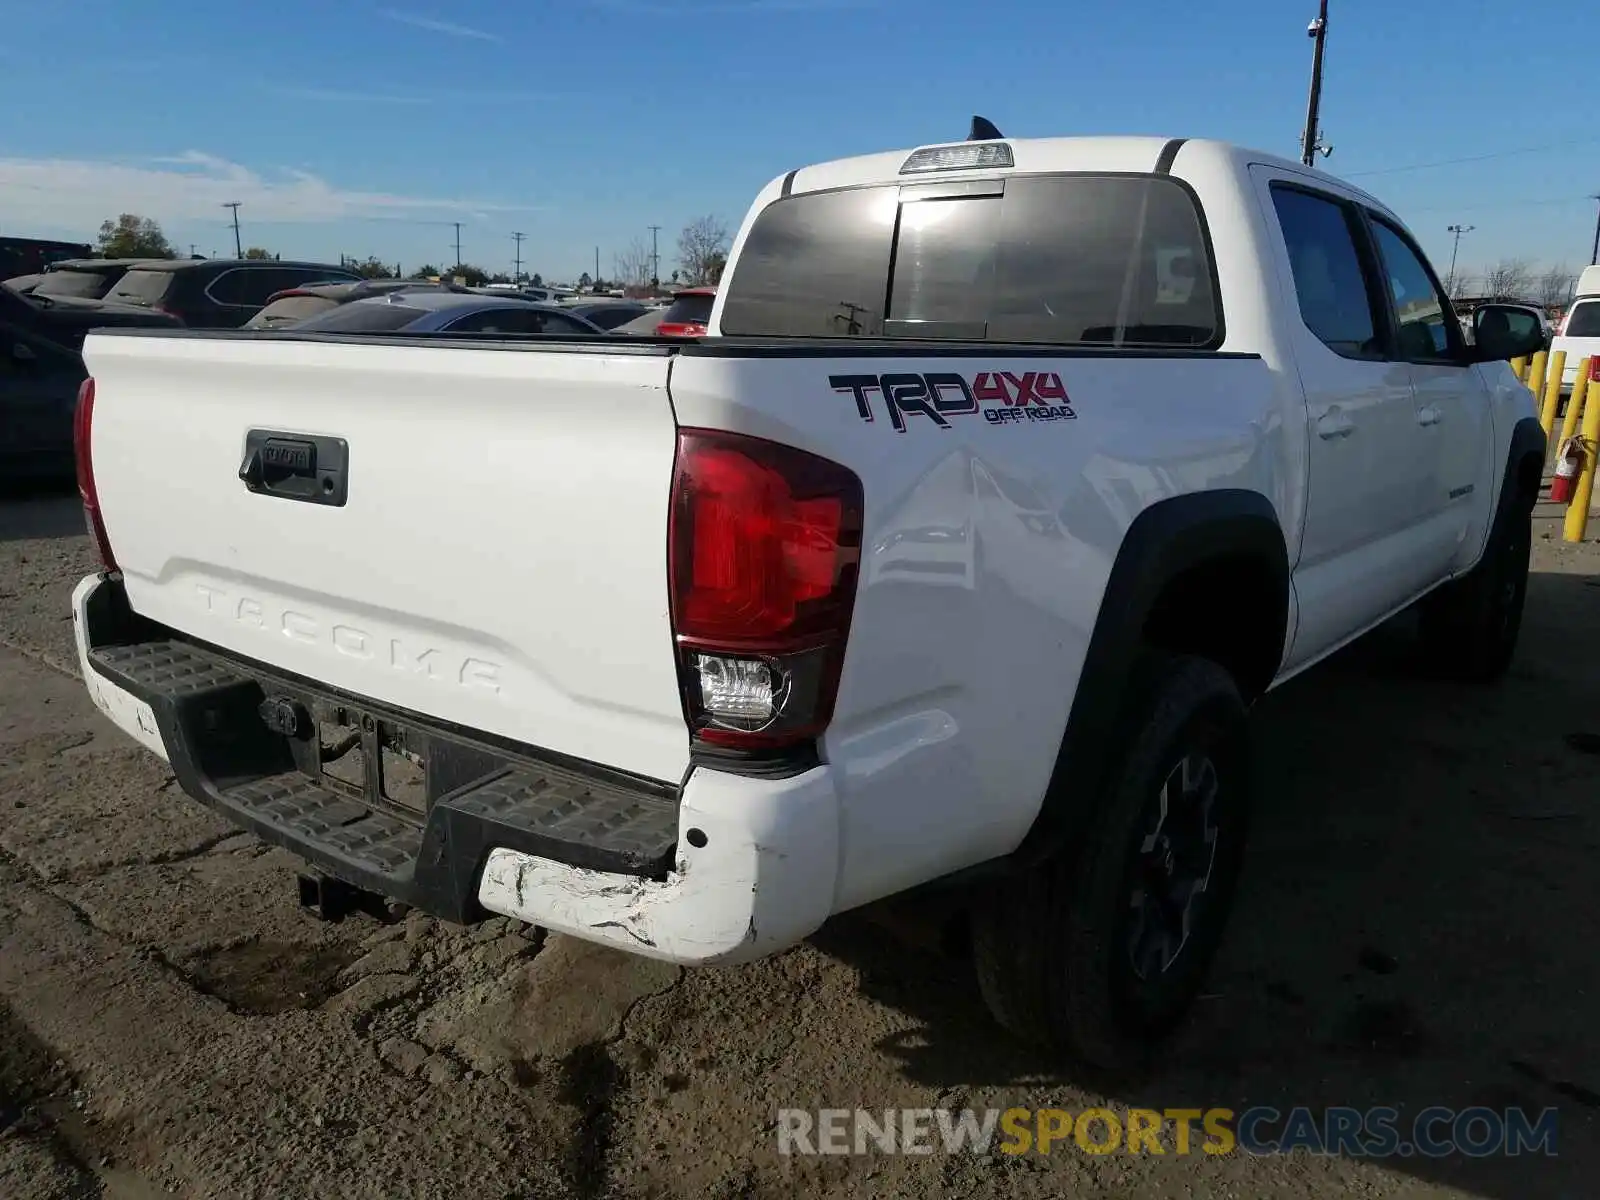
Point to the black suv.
(66, 320)
(217, 293)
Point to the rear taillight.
(682, 329)
(1594, 369)
(82, 430)
(764, 549)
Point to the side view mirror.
(23, 353)
(1505, 331)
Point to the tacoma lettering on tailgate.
(1003, 397)
(348, 641)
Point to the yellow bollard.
(1552, 391)
(1577, 522)
(1580, 386)
(1535, 380)
(1519, 368)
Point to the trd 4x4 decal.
(1002, 397)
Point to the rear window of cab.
(1096, 260)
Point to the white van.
(1579, 334)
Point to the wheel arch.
(1176, 553)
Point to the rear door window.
(1336, 303)
(1056, 260)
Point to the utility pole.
(1594, 254)
(1458, 230)
(238, 247)
(1311, 140)
(655, 259)
(457, 224)
(516, 271)
(191, 249)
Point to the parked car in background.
(67, 321)
(23, 284)
(688, 313)
(312, 300)
(218, 293)
(39, 382)
(442, 312)
(607, 314)
(86, 278)
(1579, 332)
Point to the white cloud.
(63, 193)
(433, 25)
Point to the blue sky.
(365, 128)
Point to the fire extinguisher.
(1567, 472)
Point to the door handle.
(1334, 424)
(1429, 415)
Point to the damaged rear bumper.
(722, 869)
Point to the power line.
(1451, 162)
(1501, 206)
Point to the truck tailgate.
(498, 562)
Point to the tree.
(703, 250)
(425, 271)
(371, 268)
(1508, 279)
(537, 280)
(257, 254)
(584, 281)
(133, 236)
(1555, 286)
(1462, 286)
(632, 265)
(499, 277)
(471, 275)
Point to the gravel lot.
(1417, 926)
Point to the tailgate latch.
(295, 466)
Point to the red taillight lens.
(764, 549)
(1594, 369)
(82, 430)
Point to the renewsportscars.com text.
(1382, 1132)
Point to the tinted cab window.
(1427, 327)
(1320, 236)
(1065, 260)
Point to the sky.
(369, 128)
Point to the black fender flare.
(1165, 540)
(1528, 441)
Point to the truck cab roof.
(1112, 154)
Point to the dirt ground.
(1417, 926)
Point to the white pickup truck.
(1011, 473)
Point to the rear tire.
(1098, 954)
(1470, 625)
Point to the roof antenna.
(983, 130)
